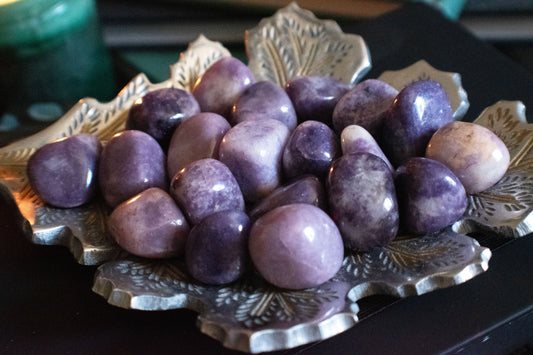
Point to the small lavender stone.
(204, 187)
(311, 148)
(419, 110)
(356, 139)
(264, 99)
(150, 225)
(63, 173)
(362, 201)
(296, 246)
(196, 138)
(431, 197)
(217, 248)
(159, 112)
(315, 97)
(364, 105)
(131, 162)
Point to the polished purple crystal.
(296, 246)
(217, 248)
(356, 139)
(64, 173)
(362, 201)
(132, 161)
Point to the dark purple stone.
(431, 197)
(64, 173)
(131, 162)
(264, 99)
(315, 97)
(362, 201)
(217, 248)
(418, 111)
(204, 187)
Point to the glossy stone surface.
(475, 154)
(64, 173)
(315, 97)
(356, 139)
(221, 84)
(418, 111)
(307, 253)
(364, 105)
(196, 138)
(131, 162)
(311, 148)
(264, 99)
(430, 196)
(253, 152)
(308, 189)
(159, 112)
(217, 248)
(150, 225)
(362, 201)
(204, 187)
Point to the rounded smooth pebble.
(472, 152)
(150, 225)
(64, 173)
(296, 246)
(356, 139)
(216, 252)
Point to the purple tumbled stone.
(362, 201)
(150, 224)
(418, 111)
(356, 139)
(159, 112)
(216, 252)
(315, 97)
(364, 105)
(311, 148)
(196, 138)
(64, 173)
(296, 246)
(264, 99)
(431, 197)
(204, 187)
(131, 162)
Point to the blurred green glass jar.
(51, 55)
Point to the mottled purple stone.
(64, 173)
(216, 252)
(431, 197)
(315, 97)
(204, 187)
(264, 99)
(311, 148)
(364, 105)
(221, 85)
(253, 152)
(159, 112)
(308, 189)
(196, 138)
(362, 201)
(356, 139)
(296, 246)
(131, 162)
(150, 225)
(418, 111)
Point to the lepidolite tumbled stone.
(131, 162)
(296, 246)
(150, 225)
(204, 187)
(253, 152)
(431, 197)
(419, 110)
(475, 154)
(364, 105)
(64, 173)
(216, 252)
(362, 201)
(356, 139)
